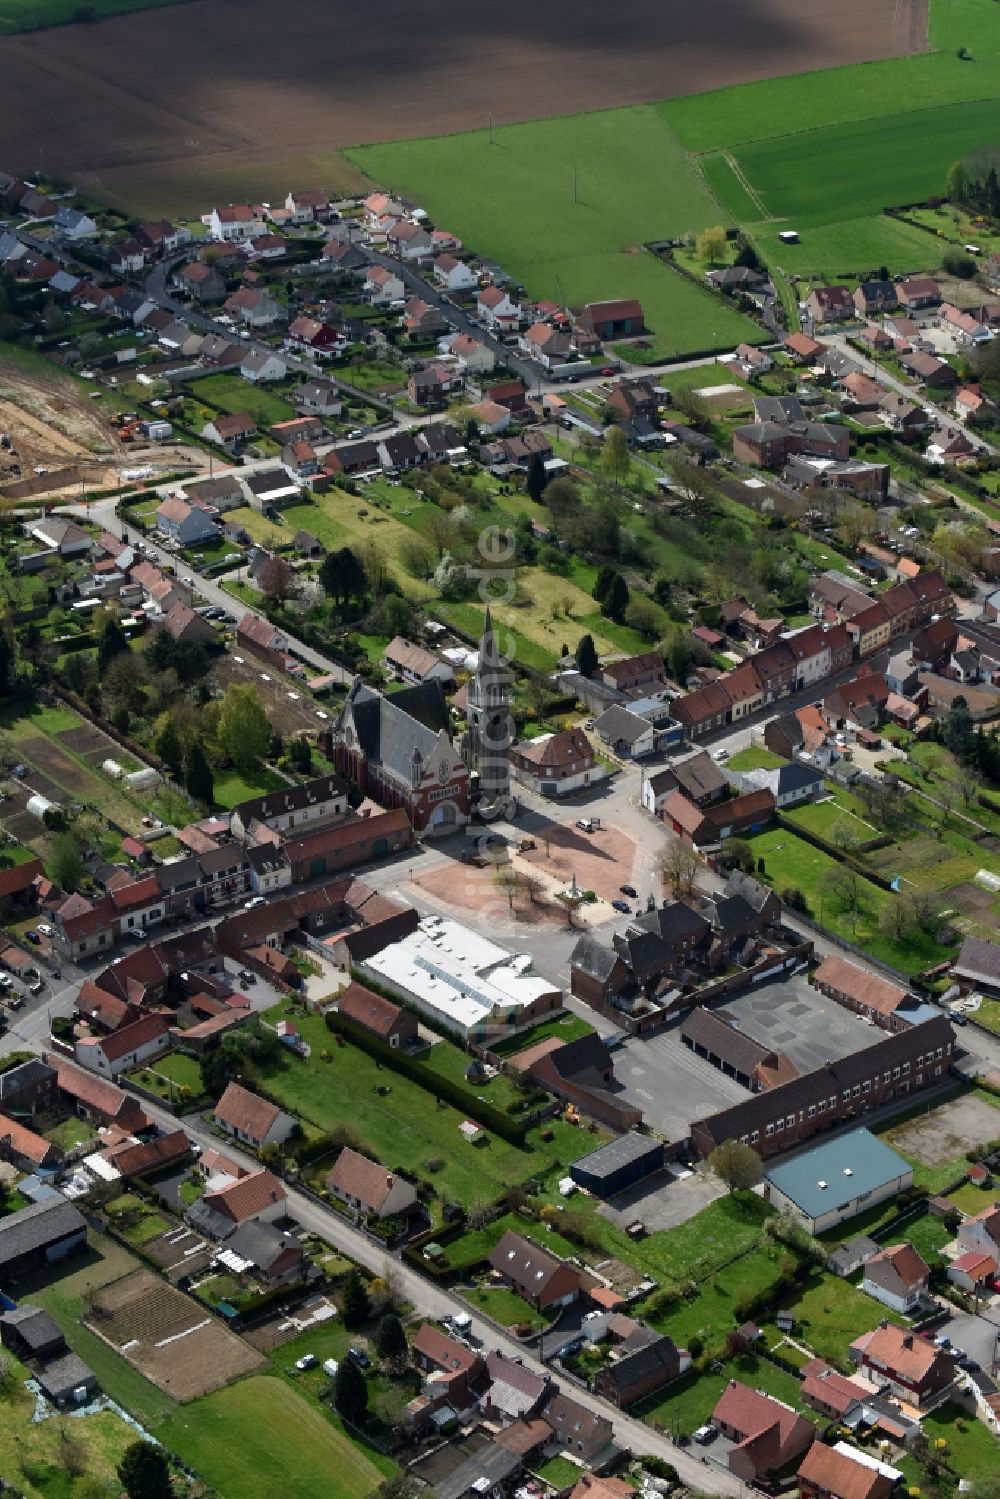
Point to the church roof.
(391, 731)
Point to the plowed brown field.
(165, 110)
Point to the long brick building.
(784, 1117)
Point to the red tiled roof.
(96, 1093)
(247, 1197)
(357, 1176)
(368, 1009)
(443, 1351)
(19, 1141)
(845, 1477)
(130, 1037)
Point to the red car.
(609, 369)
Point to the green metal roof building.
(837, 1180)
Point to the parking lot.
(976, 1336)
(789, 1015)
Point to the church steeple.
(491, 727)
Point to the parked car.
(360, 1357)
(254, 902)
(585, 823)
(246, 977)
(44, 928)
(34, 938)
(38, 987)
(307, 1361)
(705, 1434)
(629, 890)
(622, 906)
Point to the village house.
(140, 1042)
(235, 223)
(767, 1433)
(874, 297)
(253, 1120)
(830, 304)
(862, 991)
(540, 1278)
(454, 275)
(254, 307)
(833, 1473)
(258, 1197)
(916, 292)
(414, 663)
(230, 431)
(641, 1370)
(617, 319)
(904, 1365)
(391, 1023)
(556, 764)
(367, 1187)
(498, 310)
(898, 1277)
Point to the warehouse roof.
(838, 1172)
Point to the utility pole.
(574, 184)
(491, 127)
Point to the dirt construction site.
(177, 1344)
(51, 426)
(138, 111)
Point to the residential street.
(436, 1303)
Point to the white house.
(234, 224)
(498, 310)
(454, 274)
(897, 1277)
(70, 223)
(409, 241)
(414, 663)
(130, 1046)
(789, 785)
(474, 357)
(62, 535)
(303, 807)
(384, 286)
(262, 365)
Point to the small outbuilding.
(618, 1165)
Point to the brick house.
(640, 1373)
(391, 1023)
(540, 1278)
(253, 1120)
(768, 1434)
(910, 1367)
(829, 1473)
(367, 1187)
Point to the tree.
(680, 865)
(956, 183)
(198, 777)
(167, 744)
(736, 1165)
(244, 732)
(711, 243)
(602, 583)
(342, 576)
(614, 458)
(561, 497)
(356, 1307)
(276, 580)
(616, 600)
(586, 656)
(350, 1392)
(65, 862)
(7, 661)
(390, 1342)
(113, 642)
(537, 478)
(144, 1472)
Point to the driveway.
(976, 1336)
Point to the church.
(398, 748)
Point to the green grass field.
(234, 394)
(515, 201)
(865, 91)
(36, 15)
(256, 1437)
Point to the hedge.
(844, 856)
(483, 1113)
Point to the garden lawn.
(972, 1451)
(829, 1314)
(474, 1246)
(850, 246)
(232, 787)
(694, 1249)
(928, 1235)
(755, 758)
(559, 1472)
(447, 1060)
(258, 1438)
(790, 861)
(170, 1075)
(505, 1307)
(690, 1402)
(235, 394)
(36, 1450)
(70, 1132)
(711, 1314)
(567, 1027)
(406, 1127)
(335, 519)
(516, 202)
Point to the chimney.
(908, 1340)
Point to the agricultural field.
(138, 79)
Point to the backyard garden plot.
(168, 1337)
